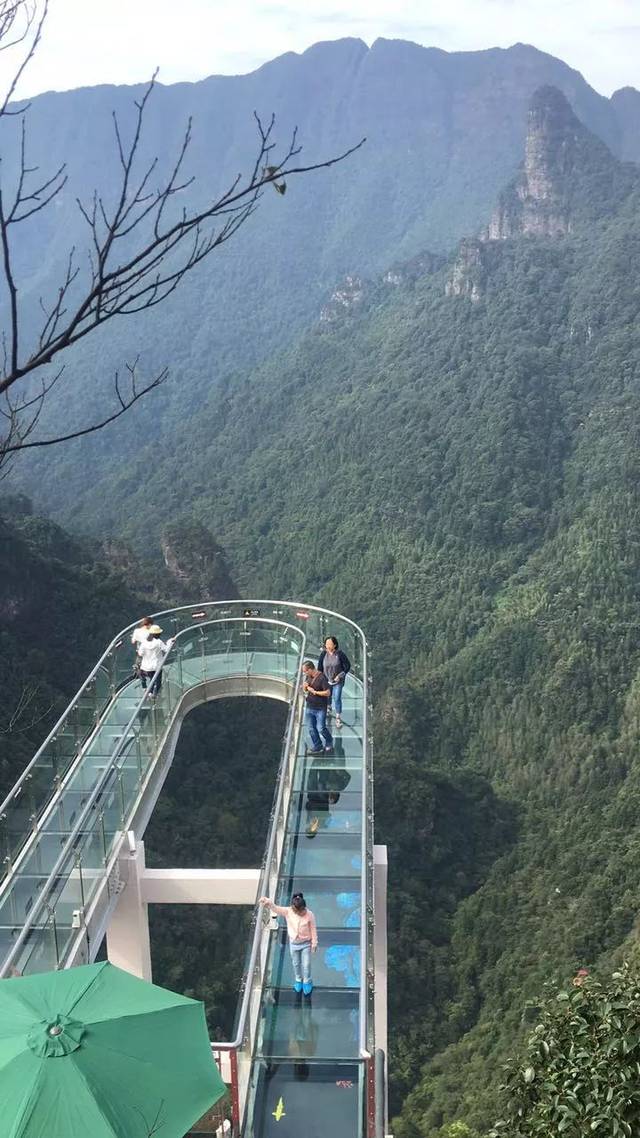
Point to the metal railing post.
(235, 1093)
(371, 1097)
(381, 1093)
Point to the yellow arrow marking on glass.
(279, 1112)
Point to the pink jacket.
(300, 926)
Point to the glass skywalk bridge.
(98, 776)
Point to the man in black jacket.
(317, 691)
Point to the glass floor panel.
(39, 951)
(323, 1025)
(323, 810)
(45, 853)
(346, 745)
(71, 805)
(17, 904)
(330, 774)
(327, 855)
(336, 964)
(121, 711)
(335, 902)
(284, 1090)
(8, 936)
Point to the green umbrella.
(93, 1052)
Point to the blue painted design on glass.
(344, 958)
(356, 861)
(347, 900)
(350, 901)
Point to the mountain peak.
(567, 175)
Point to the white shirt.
(139, 635)
(152, 653)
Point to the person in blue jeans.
(335, 664)
(303, 938)
(317, 694)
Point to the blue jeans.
(315, 719)
(301, 960)
(336, 697)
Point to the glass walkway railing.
(96, 776)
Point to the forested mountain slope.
(453, 459)
(444, 133)
(451, 456)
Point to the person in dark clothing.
(335, 665)
(317, 693)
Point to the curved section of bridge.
(97, 778)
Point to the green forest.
(459, 473)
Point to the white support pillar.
(380, 944)
(128, 945)
(200, 886)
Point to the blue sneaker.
(307, 987)
(297, 987)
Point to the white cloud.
(122, 41)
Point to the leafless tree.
(141, 245)
(26, 713)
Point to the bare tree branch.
(18, 435)
(140, 247)
(26, 713)
(25, 14)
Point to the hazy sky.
(121, 41)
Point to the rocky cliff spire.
(195, 563)
(568, 175)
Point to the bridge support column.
(128, 944)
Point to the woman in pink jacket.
(303, 938)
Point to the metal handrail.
(101, 785)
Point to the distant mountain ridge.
(445, 134)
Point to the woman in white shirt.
(152, 652)
(140, 633)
